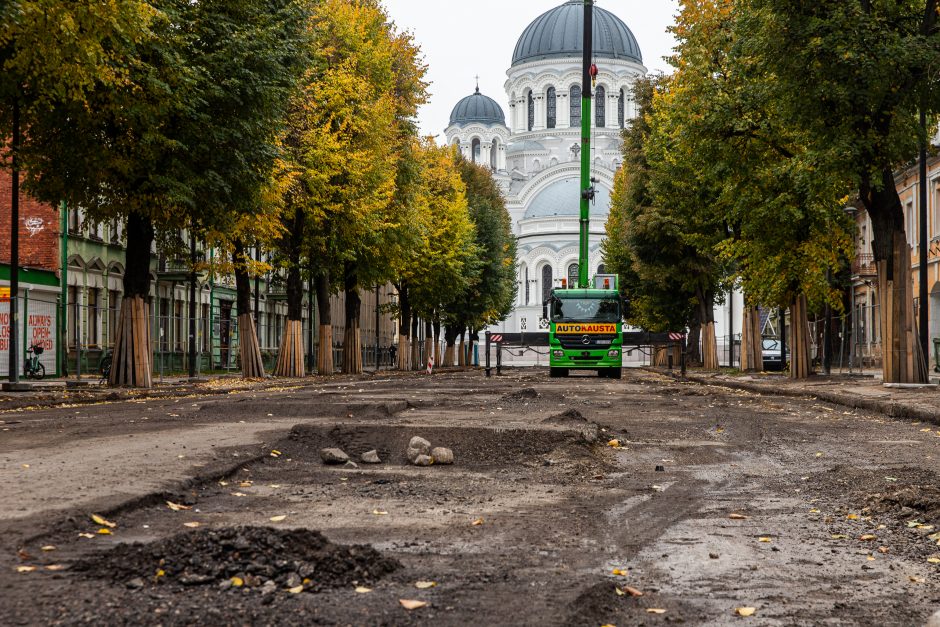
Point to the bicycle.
(104, 366)
(32, 369)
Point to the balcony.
(864, 265)
(177, 270)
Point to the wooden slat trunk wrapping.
(462, 354)
(404, 353)
(800, 366)
(660, 356)
(325, 364)
(709, 347)
(902, 358)
(290, 362)
(448, 356)
(416, 355)
(751, 345)
(437, 350)
(249, 349)
(132, 357)
(352, 351)
(429, 351)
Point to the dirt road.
(716, 503)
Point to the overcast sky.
(463, 39)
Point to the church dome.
(563, 198)
(559, 33)
(478, 109)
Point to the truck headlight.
(558, 353)
(613, 353)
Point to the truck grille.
(594, 342)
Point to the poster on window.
(39, 316)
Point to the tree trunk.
(290, 355)
(706, 301)
(462, 350)
(800, 366)
(415, 345)
(249, 350)
(694, 353)
(472, 339)
(437, 341)
(325, 347)
(429, 342)
(450, 337)
(404, 328)
(660, 356)
(902, 361)
(133, 357)
(352, 342)
(752, 355)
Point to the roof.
(477, 109)
(559, 33)
(563, 198)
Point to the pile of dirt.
(255, 555)
(566, 417)
(917, 501)
(519, 396)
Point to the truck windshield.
(585, 310)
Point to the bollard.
(488, 369)
(669, 358)
(499, 358)
(684, 352)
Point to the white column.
(612, 109)
(540, 113)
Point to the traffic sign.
(676, 337)
(496, 338)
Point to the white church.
(535, 151)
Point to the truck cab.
(585, 330)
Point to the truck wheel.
(557, 372)
(615, 373)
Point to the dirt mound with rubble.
(256, 556)
(921, 501)
(566, 417)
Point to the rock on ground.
(416, 447)
(333, 456)
(370, 457)
(934, 621)
(423, 460)
(442, 455)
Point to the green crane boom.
(587, 188)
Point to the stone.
(423, 460)
(333, 456)
(351, 465)
(136, 583)
(418, 446)
(293, 580)
(934, 620)
(269, 587)
(442, 455)
(370, 457)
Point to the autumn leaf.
(104, 531)
(278, 518)
(852, 517)
(409, 604)
(614, 443)
(632, 591)
(55, 567)
(933, 560)
(192, 525)
(25, 569)
(239, 494)
(619, 572)
(424, 585)
(48, 547)
(363, 590)
(379, 512)
(655, 610)
(477, 522)
(867, 537)
(176, 507)
(765, 539)
(917, 579)
(296, 589)
(275, 453)
(745, 611)
(736, 516)
(237, 582)
(102, 521)
(86, 535)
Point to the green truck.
(585, 329)
(586, 321)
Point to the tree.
(853, 75)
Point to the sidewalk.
(865, 391)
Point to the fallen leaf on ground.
(238, 582)
(655, 610)
(278, 518)
(619, 592)
(275, 453)
(814, 511)
(632, 591)
(917, 579)
(839, 536)
(737, 516)
(620, 572)
(223, 483)
(363, 590)
(104, 531)
(86, 535)
(379, 512)
(935, 536)
(852, 517)
(764, 539)
(49, 547)
(745, 611)
(868, 536)
(477, 522)
(244, 484)
(883, 549)
(192, 525)
(410, 604)
(55, 567)
(914, 523)
(614, 444)
(239, 494)
(275, 485)
(102, 521)
(296, 589)
(25, 569)
(25, 465)
(933, 560)
(176, 507)
(424, 585)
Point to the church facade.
(535, 150)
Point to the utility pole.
(923, 328)
(14, 371)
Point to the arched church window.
(546, 282)
(493, 151)
(475, 150)
(526, 279)
(573, 275)
(621, 107)
(600, 108)
(531, 105)
(575, 105)
(550, 106)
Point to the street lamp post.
(14, 371)
(922, 275)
